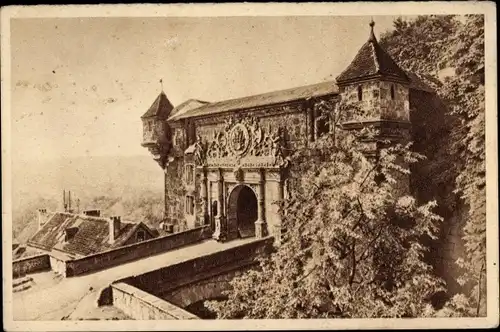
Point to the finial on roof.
(372, 34)
(161, 83)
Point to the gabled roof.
(270, 98)
(161, 107)
(91, 237)
(371, 61)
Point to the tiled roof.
(161, 107)
(419, 83)
(371, 60)
(92, 235)
(276, 97)
(186, 106)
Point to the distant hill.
(129, 186)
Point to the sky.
(80, 85)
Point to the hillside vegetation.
(131, 187)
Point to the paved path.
(52, 298)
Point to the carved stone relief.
(242, 143)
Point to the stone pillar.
(281, 199)
(260, 224)
(204, 197)
(220, 227)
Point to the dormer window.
(70, 233)
(393, 92)
(141, 236)
(360, 93)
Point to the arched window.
(393, 92)
(360, 93)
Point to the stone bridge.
(186, 283)
(180, 275)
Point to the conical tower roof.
(371, 61)
(161, 107)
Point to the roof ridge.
(376, 59)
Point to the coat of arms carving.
(246, 142)
(239, 139)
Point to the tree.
(457, 45)
(352, 247)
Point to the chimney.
(69, 202)
(42, 217)
(92, 213)
(65, 206)
(114, 228)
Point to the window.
(360, 93)
(141, 236)
(393, 93)
(190, 205)
(322, 125)
(189, 176)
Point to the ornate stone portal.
(239, 155)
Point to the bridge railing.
(144, 306)
(180, 274)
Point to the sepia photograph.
(249, 166)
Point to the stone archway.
(241, 212)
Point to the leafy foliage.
(456, 44)
(352, 246)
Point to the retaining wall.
(31, 264)
(140, 305)
(136, 251)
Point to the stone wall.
(143, 306)
(135, 251)
(377, 101)
(23, 266)
(174, 193)
(58, 265)
(209, 288)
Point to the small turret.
(156, 132)
(376, 84)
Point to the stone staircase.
(22, 284)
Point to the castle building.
(225, 162)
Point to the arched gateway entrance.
(242, 212)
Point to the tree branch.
(353, 262)
(370, 245)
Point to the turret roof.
(371, 60)
(161, 107)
